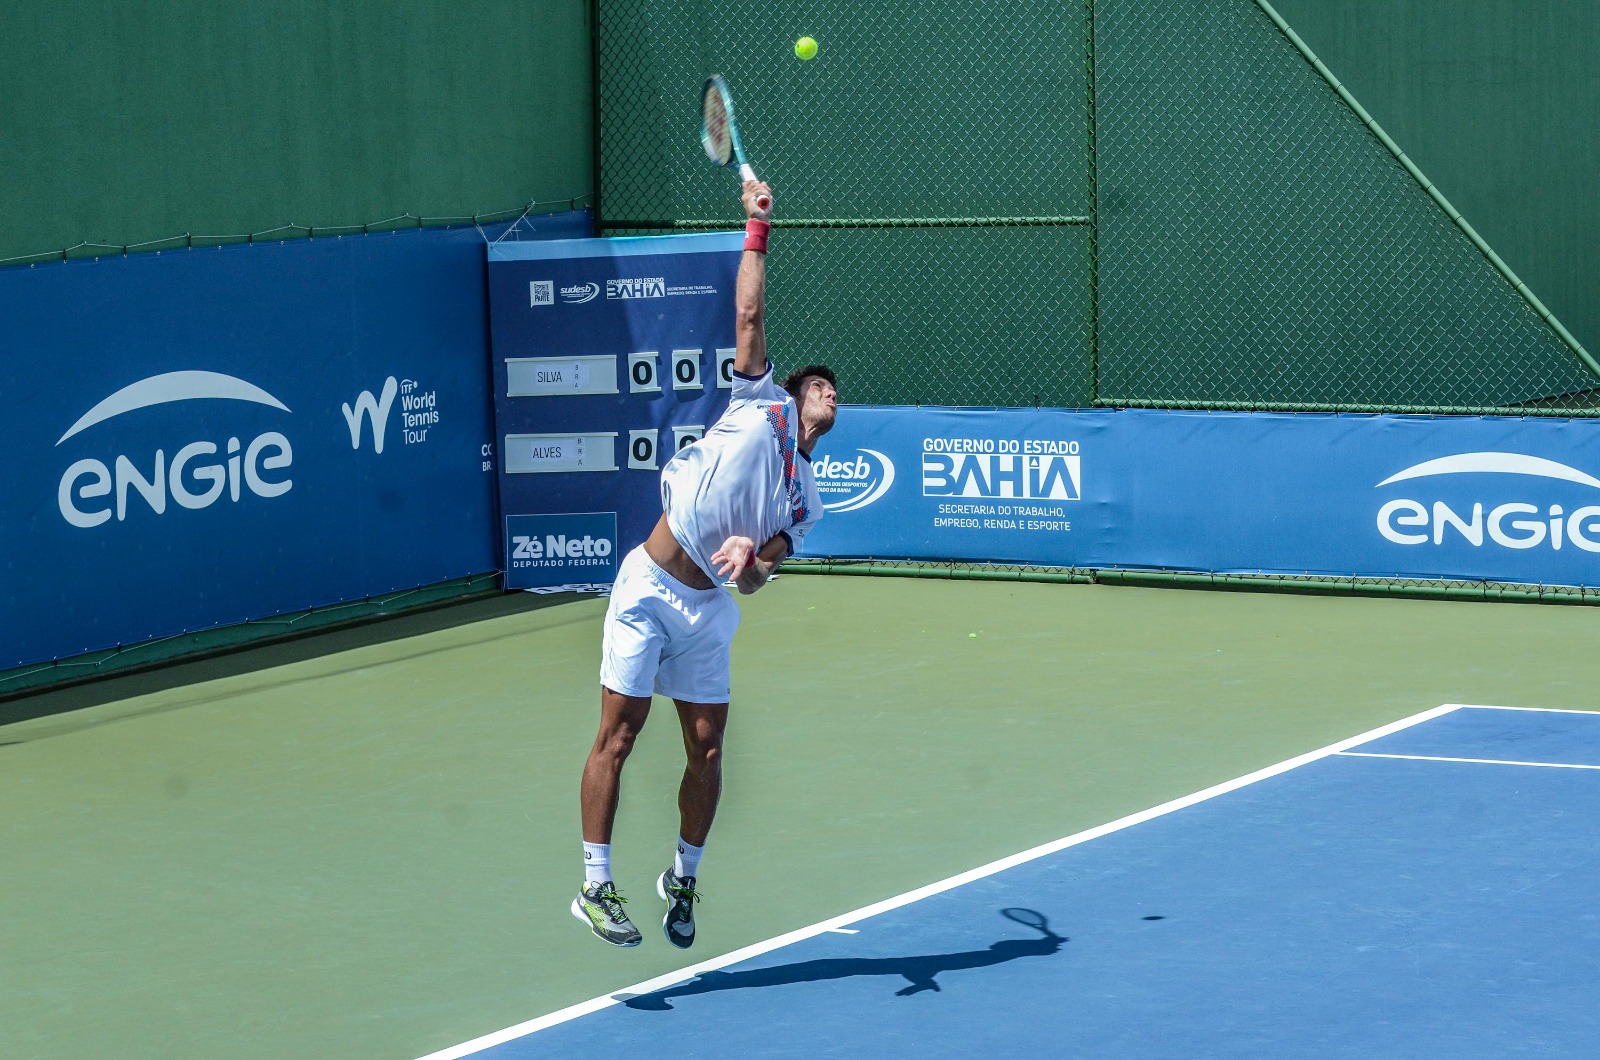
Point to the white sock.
(596, 862)
(687, 861)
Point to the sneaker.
(678, 924)
(600, 906)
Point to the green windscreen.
(930, 169)
(1112, 202)
(1259, 245)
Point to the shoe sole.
(666, 921)
(577, 911)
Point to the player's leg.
(633, 643)
(696, 672)
(622, 718)
(701, 789)
(698, 794)
(598, 904)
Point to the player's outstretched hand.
(734, 556)
(753, 188)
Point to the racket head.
(717, 133)
(1028, 918)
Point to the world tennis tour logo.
(199, 473)
(1510, 500)
(556, 549)
(419, 412)
(1002, 468)
(854, 482)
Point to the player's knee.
(705, 756)
(617, 743)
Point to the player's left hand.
(733, 557)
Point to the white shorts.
(663, 637)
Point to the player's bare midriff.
(664, 550)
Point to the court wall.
(127, 123)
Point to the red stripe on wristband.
(755, 234)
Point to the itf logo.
(558, 549)
(419, 411)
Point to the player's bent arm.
(763, 565)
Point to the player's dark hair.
(792, 381)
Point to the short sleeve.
(810, 516)
(757, 387)
(797, 533)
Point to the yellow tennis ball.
(806, 48)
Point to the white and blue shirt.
(745, 477)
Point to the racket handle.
(763, 202)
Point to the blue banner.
(609, 356)
(1478, 498)
(197, 438)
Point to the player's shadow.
(920, 971)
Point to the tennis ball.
(806, 48)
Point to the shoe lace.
(684, 892)
(612, 903)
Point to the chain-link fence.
(1260, 246)
(930, 169)
(1114, 202)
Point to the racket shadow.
(920, 971)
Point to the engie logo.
(1011, 468)
(579, 293)
(557, 549)
(199, 471)
(852, 483)
(639, 287)
(1478, 514)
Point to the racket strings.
(718, 141)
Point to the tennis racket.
(1029, 918)
(719, 133)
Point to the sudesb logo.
(854, 482)
(1517, 523)
(196, 476)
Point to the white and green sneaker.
(600, 906)
(679, 892)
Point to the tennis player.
(735, 504)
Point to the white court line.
(1477, 761)
(1530, 710)
(662, 982)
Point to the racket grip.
(763, 202)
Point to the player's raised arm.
(750, 292)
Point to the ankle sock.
(687, 860)
(596, 862)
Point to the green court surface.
(363, 843)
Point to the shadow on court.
(920, 971)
